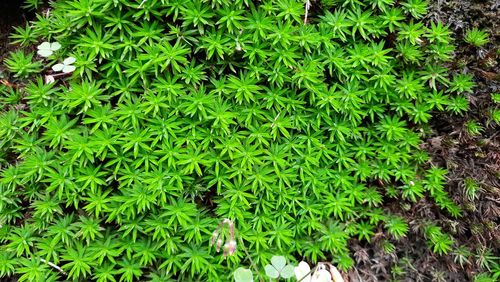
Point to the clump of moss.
(179, 113)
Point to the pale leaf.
(278, 262)
(68, 69)
(302, 271)
(55, 46)
(44, 46)
(287, 271)
(242, 274)
(44, 52)
(271, 271)
(58, 67)
(69, 60)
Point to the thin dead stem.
(142, 3)
(254, 266)
(308, 6)
(54, 266)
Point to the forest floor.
(469, 159)
(11, 15)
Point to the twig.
(250, 259)
(308, 6)
(7, 83)
(53, 266)
(57, 75)
(492, 199)
(49, 78)
(309, 273)
(142, 3)
(275, 119)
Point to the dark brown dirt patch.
(11, 15)
(470, 160)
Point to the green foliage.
(462, 83)
(22, 65)
(24, 36)
(495, 115)
(462, 255)
(439, 241)
(417, 8)
(32, 4)
(471, 188)
(476, 37)
(494, 112)
(485, 277)
(458, 105)
(396, 227)
(179, 113)
(487, 260)
(495, 97)
(473, 128)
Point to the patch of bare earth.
(472, 159)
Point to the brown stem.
(310, 272)
(53, 266)
(59, 74)
(254, 266)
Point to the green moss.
(476, 37)
(180, 113)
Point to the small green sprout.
(32, 4)
(22, 64)
(461, 255)
(473, 128)
(462, 83)
(495, 97)
(471, 188)
(476, 37)
(495, 115)
(458, 105)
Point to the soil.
(11, 15)
(475, 158)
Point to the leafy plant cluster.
(476, 37)
(179, 113)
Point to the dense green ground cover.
(182, 113)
